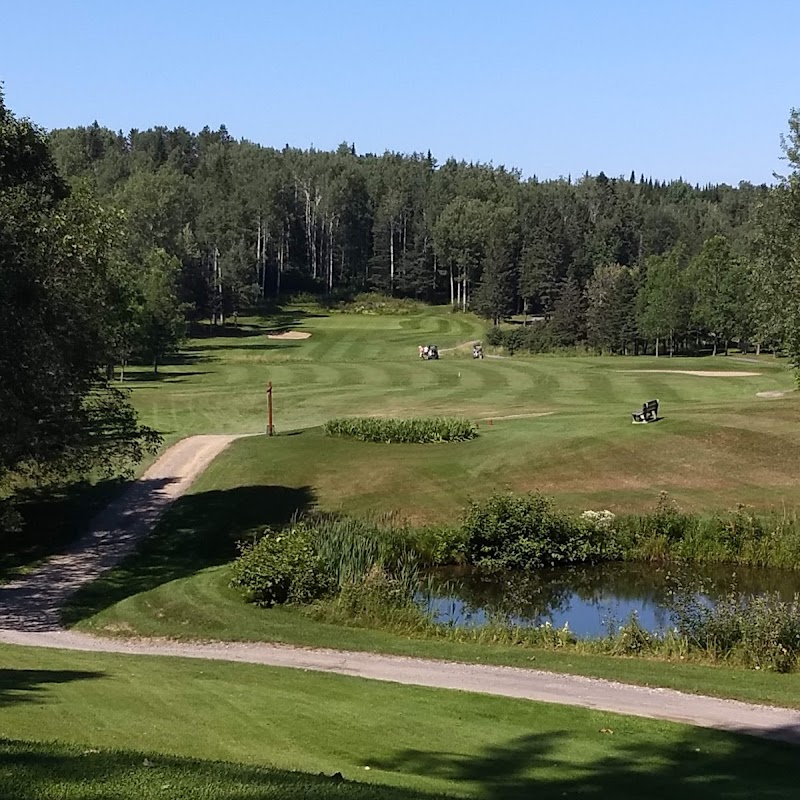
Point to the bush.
(323, 555)
(667, 533)
(495, 336)
(442, 545)
(419, 430)
(280, 567)
(762, 632)
(377, 303)
(526, 531)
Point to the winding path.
(29, 617)
(32, 602)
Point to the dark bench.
(647, 413)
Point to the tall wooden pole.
(270, 429)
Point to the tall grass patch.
(414, 430)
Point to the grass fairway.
(559, 424)
(147, 716)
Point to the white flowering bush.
(600, 520)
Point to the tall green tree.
(719, 280)
(666, 299)
(776, 266)
(160, 323)
(60, 416)
(496, 296)
(611, 309)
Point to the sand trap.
(720, 373)
(289, 335)
(774, 393)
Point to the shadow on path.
(201, 530)
(32, 602)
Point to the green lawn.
(126, 726)
(718, 444)
(169, 727)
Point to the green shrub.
(631, 639)
(537, 337)
(377, 303)
(415, 430)
(495, 336)
(526, 531)
(378, 597)
(667, 533)
(442, 545)
(280, 567)
(323, 555)
(762, 632)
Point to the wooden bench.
(647, 413)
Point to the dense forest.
(626, 264)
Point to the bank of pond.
(516, 570)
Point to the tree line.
(626, 264)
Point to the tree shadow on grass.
(162, 376)
(200, 530)
(205, 330)
(33, 769)
(28, 685)
(701, 765)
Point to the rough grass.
(159, 721)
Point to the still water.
(591, 599)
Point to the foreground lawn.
(50, 771)
(268, 721)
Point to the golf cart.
(477, 350)
(430, 352)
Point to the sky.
(700, 90)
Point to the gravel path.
(729, 715)
(29, 616)
(31, 603)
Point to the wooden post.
(270, 428)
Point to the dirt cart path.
(31, 603)
(729, 715)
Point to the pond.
(591, 599)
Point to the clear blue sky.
(669, 87)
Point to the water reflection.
(591, 599)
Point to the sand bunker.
(289, 335)
(720, 373)
(774, 393)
